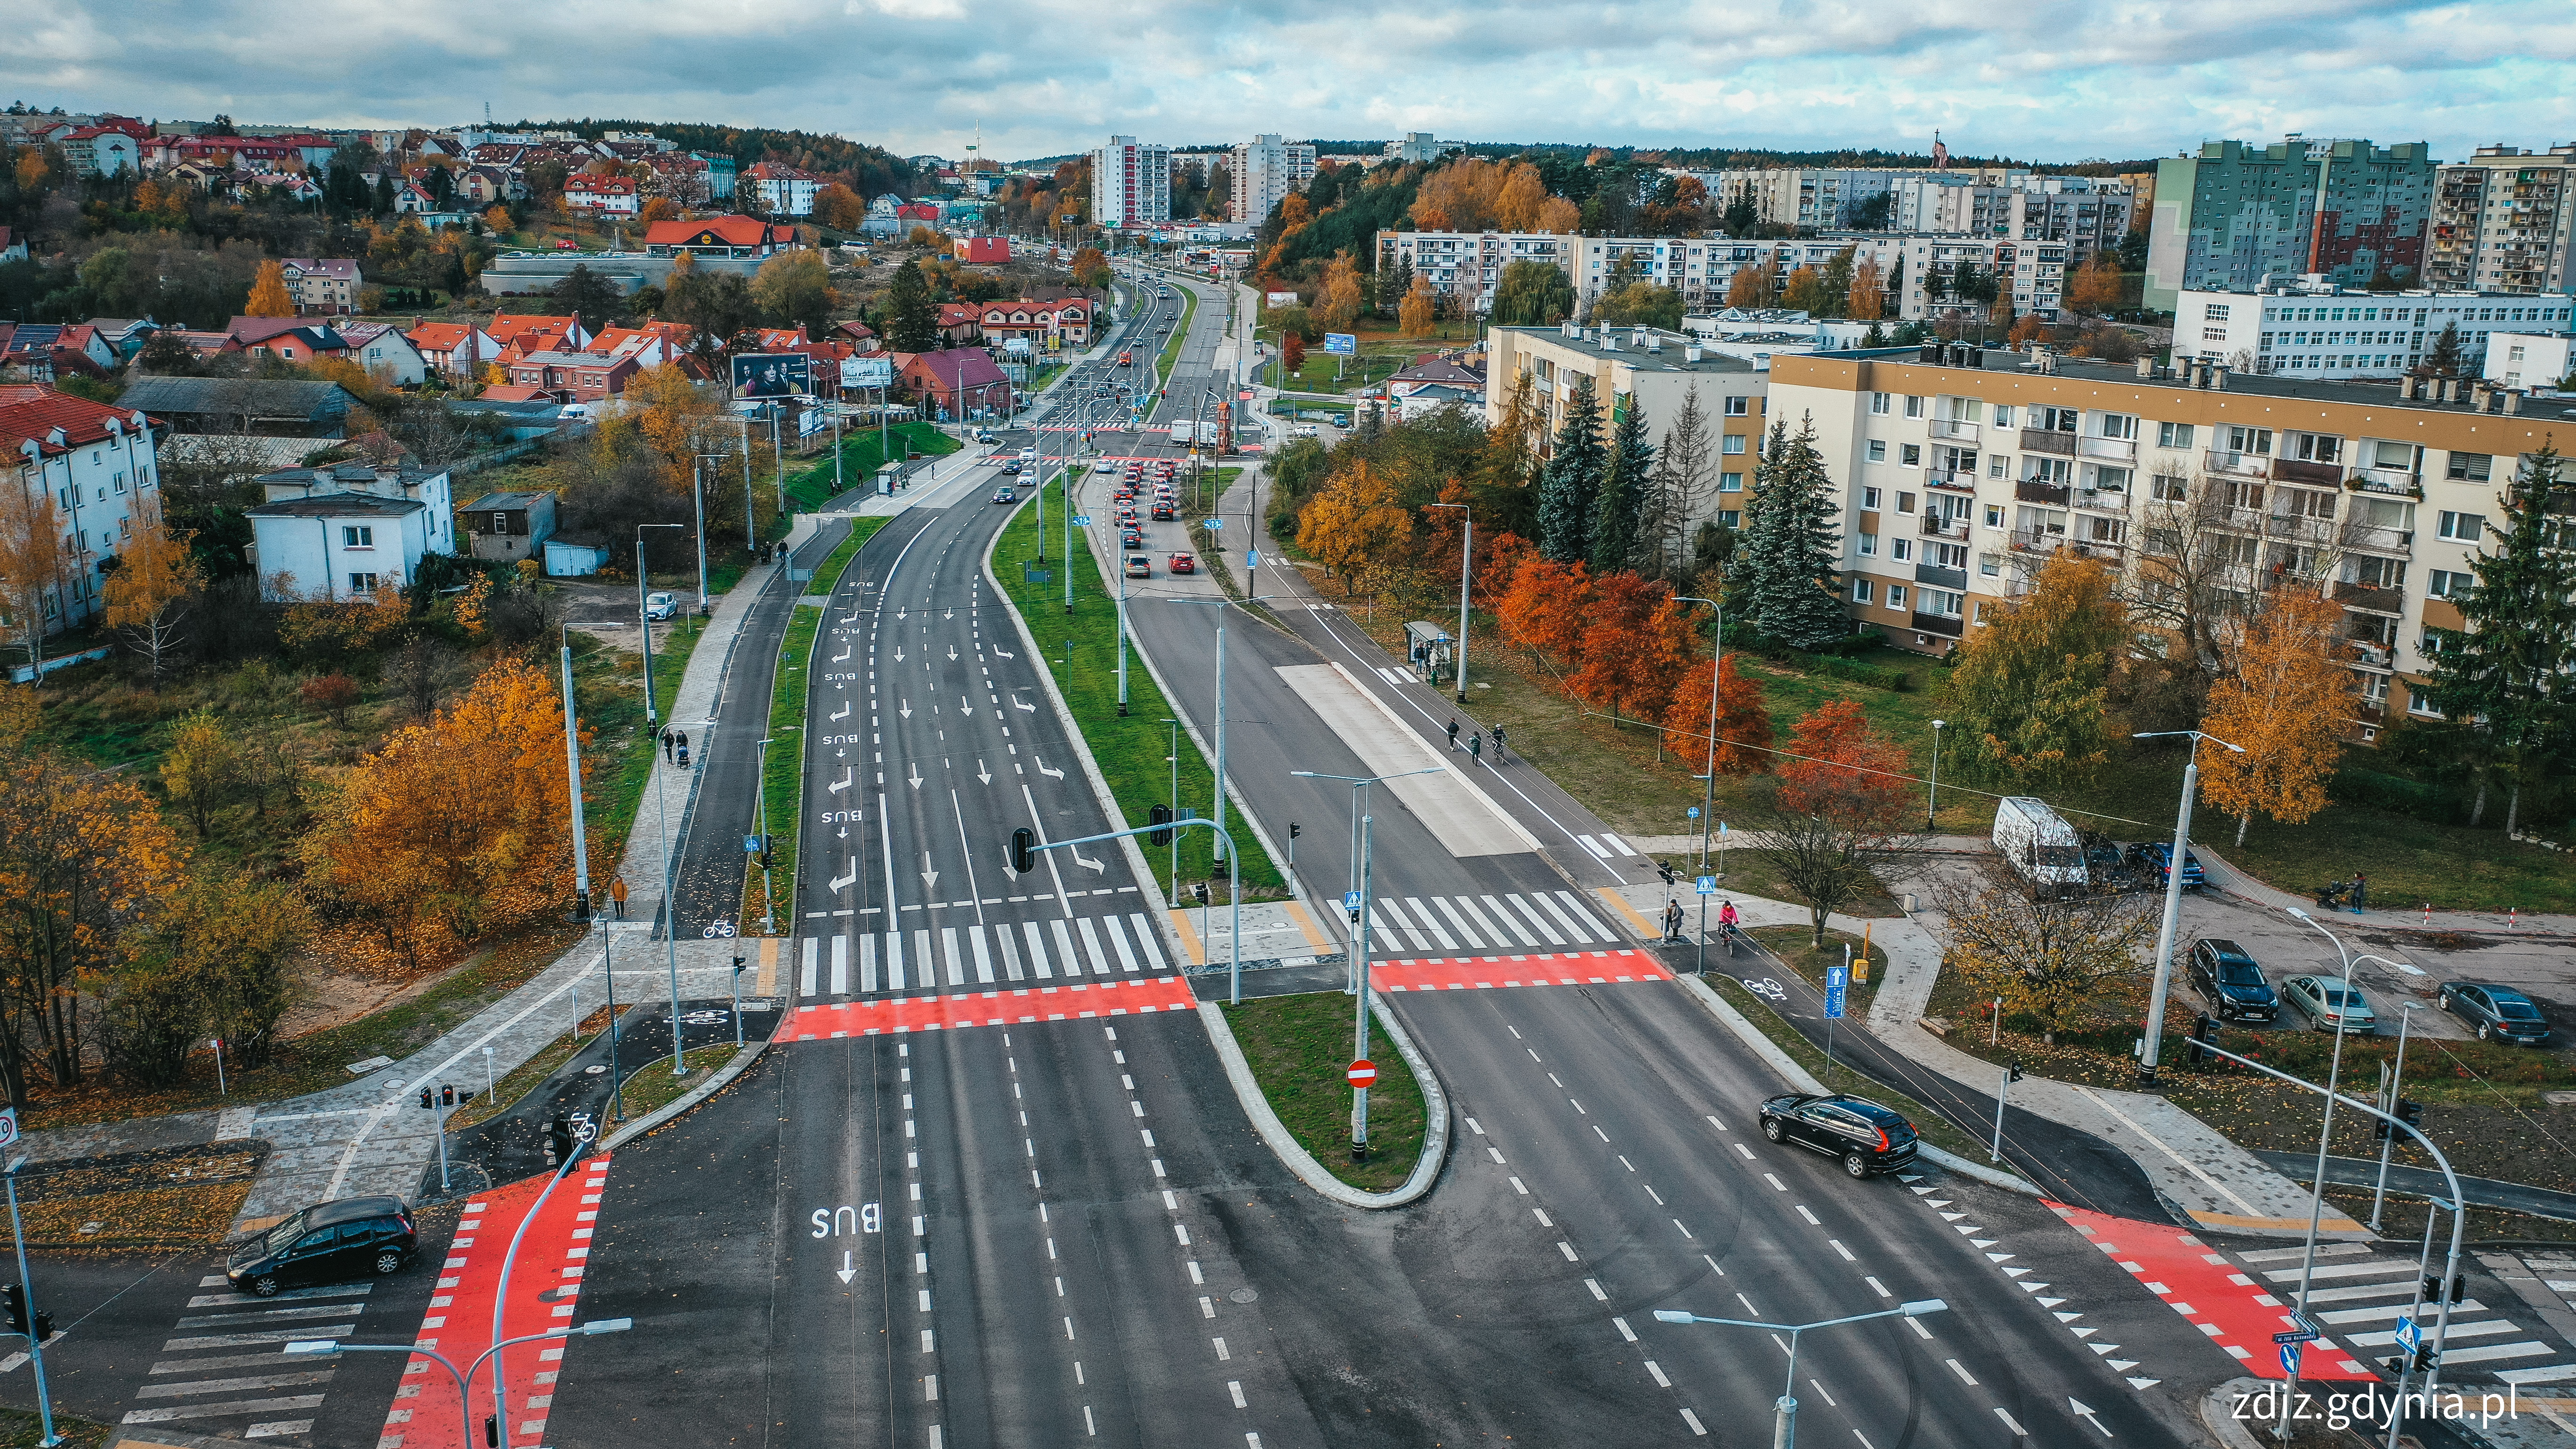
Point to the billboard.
(1341, 344)
(1283, 299)
(867, 372)
(773, 374)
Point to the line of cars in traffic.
(1163, 506)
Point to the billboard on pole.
(773, 374)
(1345, 344)
(867, 372)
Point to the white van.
(2038, 842)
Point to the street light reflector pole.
(27, 1299)
(2173, 897)
(1784, 1431)
(670, 871)
(463, 1397)
(1466, 559)
(1217, 807)
(1932, 800)
(643, 619)
(1360, 935)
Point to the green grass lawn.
(1180, 333)
(811, 487)
(1299, 1048)
(1132, 750)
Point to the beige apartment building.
(1962, 470)
(1639, 367)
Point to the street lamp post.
(1716, 673)
(643, 621)
(2405, 1018)
(1217, 807)
(2173, 898)
(698, 503)
(2334, 1080)
(1784, 1431)
(27, 1299)
(463, 1399)
(1362, 826)
(760, 787)
(1466, 560)
(670, 871)
(1932, 800)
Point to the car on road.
(2147, 861)
(1184, 564)
(1341, 420)
(1139, 566)
(2498, 1012)
(1163, 511)
(1011, 469)
(660, 605)
(1130, 536)
(1105, 465)
(1864, 1136)
(2322, 999)
(1006, 494)
(1125, 358)
(329, 1242)
(2232, 982)
(1028, 455)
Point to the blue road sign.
(1082, 520)
(1706, 885)
(2290, 1358)
(1252, 558)
(2410, 1334)
(751, 845)
(1350, 900)
(1692, 813)
(1837, 980)
(1213, 525)
(2296, 1335)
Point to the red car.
(1184, 564)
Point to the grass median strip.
(1299, 1048)
(1133, 751)
(862, 453)
(652, 1087)
(1172, 349)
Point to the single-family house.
(457, 351)
(289, 339)
(1064, 322)
(124, 336)
(572, 376)
(385, 353)
(960, 323)
(508, 525)
(525, 332)
(959, 382)
(95, 464)
(326, 285)
(12, 248)
(983, 251)
(488, 186)
(609, 196)
(344, 531)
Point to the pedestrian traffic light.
(1160, 816)
(15, 1296)
(2013, 1072)
(425, 1101)
(1665, 868)
(2424, 1358)
(2432, 1288)
(2459, 1287)
(44, 1326)
(1201, 891)
(2410, 1112)
(1295, 830)
(491, 1432)
(1024, 855)
(447, 1096)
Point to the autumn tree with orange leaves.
(1735, 737)
(1545, 609)
(148, 594)
(1636, 641)
(1839, 814)
(2284, 706)
(454, 828)
(1354, 523)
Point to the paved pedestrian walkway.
(2218, 1184)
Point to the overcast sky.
(2053, 80)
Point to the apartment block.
(1131, 183)
(1639, 367)
(2240, 212)
(1264, 170)
(1961, 470)
(2504, 221)
(89, 470)
(2319, 331)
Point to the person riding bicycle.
(1726, 916)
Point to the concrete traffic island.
(1265, 1120)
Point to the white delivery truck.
(1183, 433)
(2038, 842)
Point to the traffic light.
(2424, 1358)
(558, 1142)
(1665, 868)
(425, 1100)
(15, 1296)
(491, 1432)
(2459, 1287)
(447, 1096)
(1201, 891)
(1295, 830)
(2411, 1113)
(2013, 1072)
(1159, 816)
(1024, 855)
(2432, 1288)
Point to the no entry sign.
(1363, 1073)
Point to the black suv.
(2230, 981)
(325, 1243)
(1864, 1135)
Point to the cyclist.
(1726, 925)
(1498, 744)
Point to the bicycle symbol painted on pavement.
(717, 931)
(707, 1018)
(1766, 988)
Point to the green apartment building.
(2239, 211)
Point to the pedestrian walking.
(1476, 745)
(2360, 891)
(1498, 744)
(617, 896)
(666, 742)
(1672, 920)
(1453, 734)
(684, 752)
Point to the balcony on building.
(1939, 577)
(2100, 550)
(1950, 482)
(2037, 540)
(2370, 597)
(2048, 440)
(1954, 430)
(2295, 470)
(2102, 500)
(2120, 450)
(2369, 538)
(2031, 490)
(2299, 528)
(1947, 625)
(2386, 480)
(2240, 465)
(1936, 526)
(2370, 654)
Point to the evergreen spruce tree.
(2509, 678)
(1791, 570)
(1571, 478)
(1626, 480)
(912, 319)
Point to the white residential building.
(2530, 359)
(2504, 221)
(1264, 170)
(341, 532)
(1131, 183)
(1416, 146)
(2319, 331)
(90, 468)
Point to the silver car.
(2322, 999)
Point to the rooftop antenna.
(487, 115)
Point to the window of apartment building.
(362, 583)
(1877, 450)
(1896, 596)
(2305, 503)
(1994, 515)
(2119, 425)
(1949, 459)
(2003, 415)
(1869, 499)
(2416, 703)
(1998, 465)
(2470, 467)
(1914, 407)
(1734, 445)
(2371, 571)
(1901, 549)
(1861, 591)
(1946, 555)
(1866, 543)
(2108, 479)
(1909, 455)
(1990, 565)
(357, 537)
(2054, 419)
(1941, 602)
(2314, 447)
(1736, 406)
(2249, 440)
(2056, 472)
(1732, 518)
(2168, 488)
(120, 482)
(2461, 527)
(1879, 403)
(2043, 522)
(1904, 502)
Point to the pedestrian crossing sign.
(1706, 885)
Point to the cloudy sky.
(2055, 80)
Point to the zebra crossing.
(232, 1376)
(867, 963)
(2358, 1296)
(1517, 921)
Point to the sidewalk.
(371, 1136)
(2218, 1184)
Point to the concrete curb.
(2218, 1414)
(1435, 1110)
(742, 1062)
(1805, 1081)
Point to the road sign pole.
(1359, 960)
(27, 1296)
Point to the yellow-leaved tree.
(268, 295)
(1339, 306)
(1413, 314)
(1355, 522)
(200, 767)
(2283, 704)
(148, 594)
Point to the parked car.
(2230, 979)
(1139, 566)
(1006, 494)
(325, 1243)
(2035, 841)
(2496, 1011)
(2321, 999)
(2148, 860)
(1184, 564)
(660, 605)
(1865, 1136)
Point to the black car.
(1864, 1135)
(2231, 981)
(325, 1243)
(2496, 1011)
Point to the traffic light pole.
(27, 1299)
(501, 1299)
(1024, 851)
